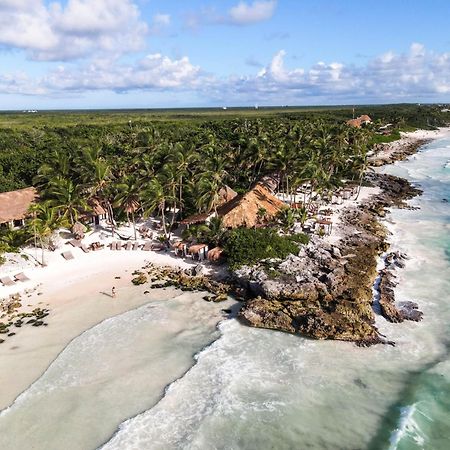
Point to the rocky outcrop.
(388, 307)
(325, 291)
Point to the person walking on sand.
(113, 292)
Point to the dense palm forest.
(137, 165)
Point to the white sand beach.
(78, 294)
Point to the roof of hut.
(14, 205)
(226, 194)
(97, 208)
(196, 218)
(242, 211)
(215, 254)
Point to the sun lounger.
(75, 243)
(128, 246)
(147, 246)
(21, 277)
(6, 281)
(84, 248)
(118, 245)
(113, 245)
(67, 255)
(135, 245)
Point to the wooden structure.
(243, 210)
(15, 205)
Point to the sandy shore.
(78, 294)
(387, 152)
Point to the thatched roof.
(226, 194)
(14, 205)
(242, 211)
(215, 254)
(79, 229)
(196, 218)
(97, 208)
(194, 249)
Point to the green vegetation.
(140, 163)
(246, 246)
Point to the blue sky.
(179, 53)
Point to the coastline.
(330, 296)
(77, 294)
(74, 291)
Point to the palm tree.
(96, 176)
(66, 198)
(44, 222)
(127, 198)
(155, 197)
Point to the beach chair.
(7, 281)
(118, 245)
(84, 248)
(21, 277)
(75, 243)
(67, 255)
(147, 246)
(113, 245)
(135, 245)
(129, 245)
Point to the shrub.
(247, 246)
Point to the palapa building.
(359, 121)
(243, 210)
(15, 205)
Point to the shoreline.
(331, 295)
(77, 292)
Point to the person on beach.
(113, 292)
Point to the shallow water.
(260, 389)
(110, 372)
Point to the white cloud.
(417, 75)
(243, 13)
(152, 73)
(258, 11)
(78, 29)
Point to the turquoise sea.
(166, 378)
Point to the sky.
(70, 54)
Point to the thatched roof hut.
(96, 207)
(78, 230)
(243, 210)
(215, 254)
(14, 205)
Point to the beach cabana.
(15, 205)
(215, 254)
(198, 251)
(97, 212)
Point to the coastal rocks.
(325, 292)
(395, 151)
(13, 318)
(140, 278)
(162, 277)
(389, 310)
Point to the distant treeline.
(29, 140)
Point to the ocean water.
(164, 377)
